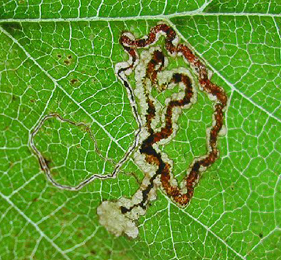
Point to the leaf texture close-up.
(139, 130)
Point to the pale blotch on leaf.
(111, 217)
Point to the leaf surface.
(60, 57)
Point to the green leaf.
(59, 57)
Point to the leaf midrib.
(146, 17)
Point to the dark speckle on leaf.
(73, 81)
(48, 161)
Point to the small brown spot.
(55, 173)
(73, 81)
(93, 252)
(69, 57)
(32, 100)
(66, 62)
(59, 56)
(65, 210)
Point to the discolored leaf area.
(60, 57)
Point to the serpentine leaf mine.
(157, 125)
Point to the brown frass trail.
(151, 155)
